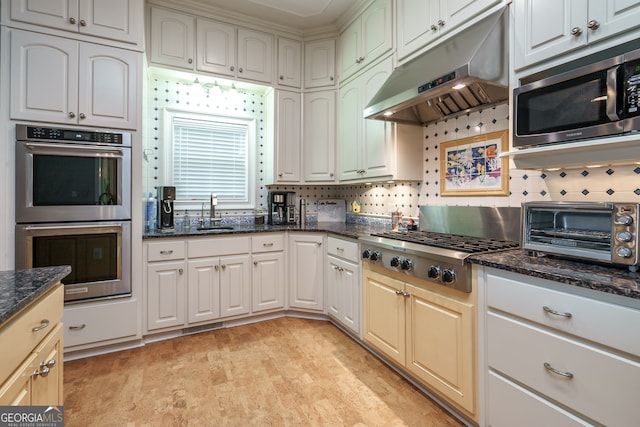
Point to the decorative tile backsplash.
(619, 183)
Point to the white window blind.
(211, 156)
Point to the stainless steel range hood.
(465, 73)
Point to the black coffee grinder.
(166, 197)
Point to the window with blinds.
(211, 154)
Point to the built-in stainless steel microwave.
(597, 100)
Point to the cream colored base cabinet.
(269, 278)
(31, 373)
(429, 334)
(560, 357)
(306, 271)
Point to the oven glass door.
(584, 106)
(98, 254)
(72, 182)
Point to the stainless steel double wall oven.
(73, 207)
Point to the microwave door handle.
(612, 89)
(62, 148)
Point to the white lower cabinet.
(429, 334)
(561, 358)
(306, 271)
(269, 278)
(344, 290)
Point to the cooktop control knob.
(367, 253)
(624, 252)
(433, 272)
(375, 256)
(624, 220)
(448, 276)
(395, 261)
(406, 265)
(624, 236)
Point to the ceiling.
(303, 15)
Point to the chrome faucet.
(201, 219)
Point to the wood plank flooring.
(281, 372)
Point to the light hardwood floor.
(281, 372)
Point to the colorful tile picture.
(472, 166)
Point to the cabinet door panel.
(255, 55)
(306, 280)
(614, 17)
(47, 390)
(172, 38)
(350, 125)
(350, 49)
(108, 85)
(235, 285)
(545, 29)
(289, 132)
(320, 63)
(440, 344)
(48, 13)
(45, 75)
(111, 19)
(289, 62)
(415, 18)
(268, 281)
(216, 47)
(319, 136)
(384, 315)
(376, 30)
(203, 291)
(165, 295)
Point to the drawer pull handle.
(45, 371)
(550, 368)
(78, 328)
(266, 245)
(43, 324)
(166, 252)
(556, 313)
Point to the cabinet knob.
(72, 115)
(83, 23)
(280, 174)
(50, 364)
(281, 77)
(82, 116)
(433, 28)
(43, 324)
(331, 174)
(224, 266)
(43, 373)
(441, 22)
(215, 267)
(331, 78)
(232, 68)
(72, 20)
(180, 270)
(576, 31)
(593, 24)
(255, 263)
(190, 60)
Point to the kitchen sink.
(215, 228)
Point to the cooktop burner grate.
(465, 244)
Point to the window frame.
(169, 115)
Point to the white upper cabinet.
(550, 28)
(420, 22)
(216, 47)
(288, 153)
(319, 63)
(172, 38)
(186, 42)
(319, 137)
(289, 62)
(111, 19)
(60, 80)
(367, 38)
(255, 55)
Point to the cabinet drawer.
(218, 246)
(603, 387)
(19, 332)
(267, 242)
(344, 249)
(100, 322)
(598, 321)
(165, 250)
(509, 401)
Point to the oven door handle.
(67, 227)
(75, 149)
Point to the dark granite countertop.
(19, 288)
(339, 228)
(610, 280)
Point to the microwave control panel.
(632, 88)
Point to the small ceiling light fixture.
(388, 113)
(459, 86)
